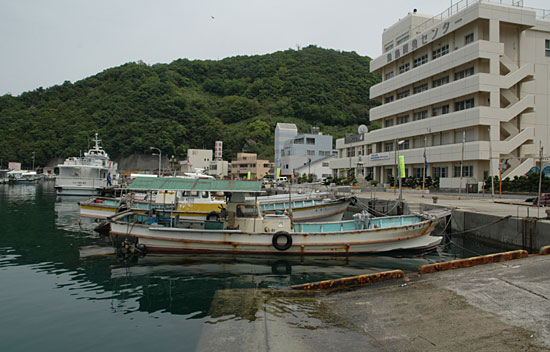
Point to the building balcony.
(480, 49)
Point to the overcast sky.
(45, 42)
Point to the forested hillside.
(190, 104)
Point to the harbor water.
(56, 298)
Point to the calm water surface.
(53, 299)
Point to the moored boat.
(243, 229)
(201, 205)
(87, 175)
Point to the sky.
(46, 42)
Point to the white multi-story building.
(303, 149)
(283, 132)
(468, 87)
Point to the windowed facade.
(311, 152)
(404, 68)
(444, 50)
(402, 119)
(440, 110)
(388, 47)
(418, 172)
(464, 73)
(403, 39)
(439, 171)
(405, 145)
(440, 81)
(420, 60)
(388, 123)
(464, 104)
(388, 147)
(547, 48)
(468, 38)
(403, 94)
(420, 88)
(388, 99)
(467, 171)
(310, 140)
(389, 75)
(420, 115)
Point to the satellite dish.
(362, 129)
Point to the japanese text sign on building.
(422, 39)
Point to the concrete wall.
(514, 232)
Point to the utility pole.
(425, 162)
(462, 163)
(491, 173)
(540, 174)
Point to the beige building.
(471, 84)
(246, 162)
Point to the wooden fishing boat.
(244, 229)
(204, 204)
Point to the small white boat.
(244, 230)
(22, 176)
(88, 175)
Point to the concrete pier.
(493, 307)
(526, 226)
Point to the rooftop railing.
(463, 4)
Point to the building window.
(389, 75)
(441, 110)
(440, 172)
(417, 172)
(467, 171)
(350, 152)
(403, 40)
(299, 141)
(420, 60)
(404, 145)
(404, 68)
(440, 81)
(440, 52)
(325, 164)
(388, 47)
(464, 73)
(420, 115)
(311, 152)
(388, 99)
(402, 119)
(468, 38)
(465, 104)
(403, 94)
(388, 147)
(420, 88)
(310, 140)
(547, 51)
(388, 123)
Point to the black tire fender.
(353, 201)
(275, 241)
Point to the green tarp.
(192, 184)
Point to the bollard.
(434, 199)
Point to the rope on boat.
(449, 241)
(361, 204)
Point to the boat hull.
(157, 239)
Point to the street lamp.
(160, 157)
(399, 170)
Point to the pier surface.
(493, 307)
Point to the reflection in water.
(166, 299)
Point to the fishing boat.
(204, 205)
(243, 229)
(22, 176)
(87, 175)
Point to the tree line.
(190, 104)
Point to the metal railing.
(463, 4)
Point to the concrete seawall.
(511, 223)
